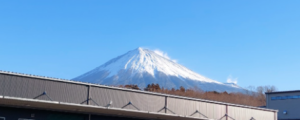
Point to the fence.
(43, 88)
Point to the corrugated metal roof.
(125, 89)
(278, 92)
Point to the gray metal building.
(22, 92)
(287, 102)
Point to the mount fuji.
(142, 67)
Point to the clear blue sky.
(257, 41)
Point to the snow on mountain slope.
(143, 66)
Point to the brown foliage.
(152, 87)
(251, 98)
(130, 87)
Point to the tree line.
(254, 96)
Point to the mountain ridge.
(142, 67)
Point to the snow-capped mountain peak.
(143, 60)
(143, 66)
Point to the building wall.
(25, 87)
(79, 93)
(291, 105)
(246, 114)
(120, 99)
(10, 113)
(189, 107)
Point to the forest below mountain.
(255, 96)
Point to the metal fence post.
(226, 112)
(166, 103)
(88, 95)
